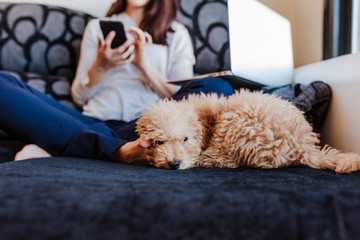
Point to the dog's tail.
(333, 159)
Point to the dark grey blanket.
(63, 198)
(313, 99)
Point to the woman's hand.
(108, 58)
(141, 41)
(135, 152)
(153, 79)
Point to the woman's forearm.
(96, 74)
(157, 82)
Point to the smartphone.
(118, 28)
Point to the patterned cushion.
(207, 22)
(41, 43)
(40, 39)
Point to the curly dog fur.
(247, 129)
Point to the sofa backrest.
(40, 39)
(207, 22)
(46, 39)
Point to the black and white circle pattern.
(207, 22)
(40, 44)
(40, 39)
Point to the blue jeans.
(33, 117)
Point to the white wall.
(306, 17)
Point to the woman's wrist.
(100, 66)
(143, 66)
(132, 151)
(125, 153)
(96, 74)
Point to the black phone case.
(118, 27)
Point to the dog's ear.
(144, 125)
(149, 124)
(141, 125)
(206, 107)
(205, 130)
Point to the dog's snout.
(174, 165)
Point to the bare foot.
(31, 151)
(134, 152)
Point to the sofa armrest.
(341, 127)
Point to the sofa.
(75, 198)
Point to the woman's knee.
(216, 85)
(205, 85)
(4, 81)
(7, 80)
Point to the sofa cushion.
(41, 39)
(341, 126)
(207, 22)
(46, 39)
(59, 198)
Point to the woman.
(113, 87)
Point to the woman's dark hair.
(158, 16)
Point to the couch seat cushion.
(68, 198)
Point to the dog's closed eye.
(185, 139)
(158, 142)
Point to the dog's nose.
(174, 164)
